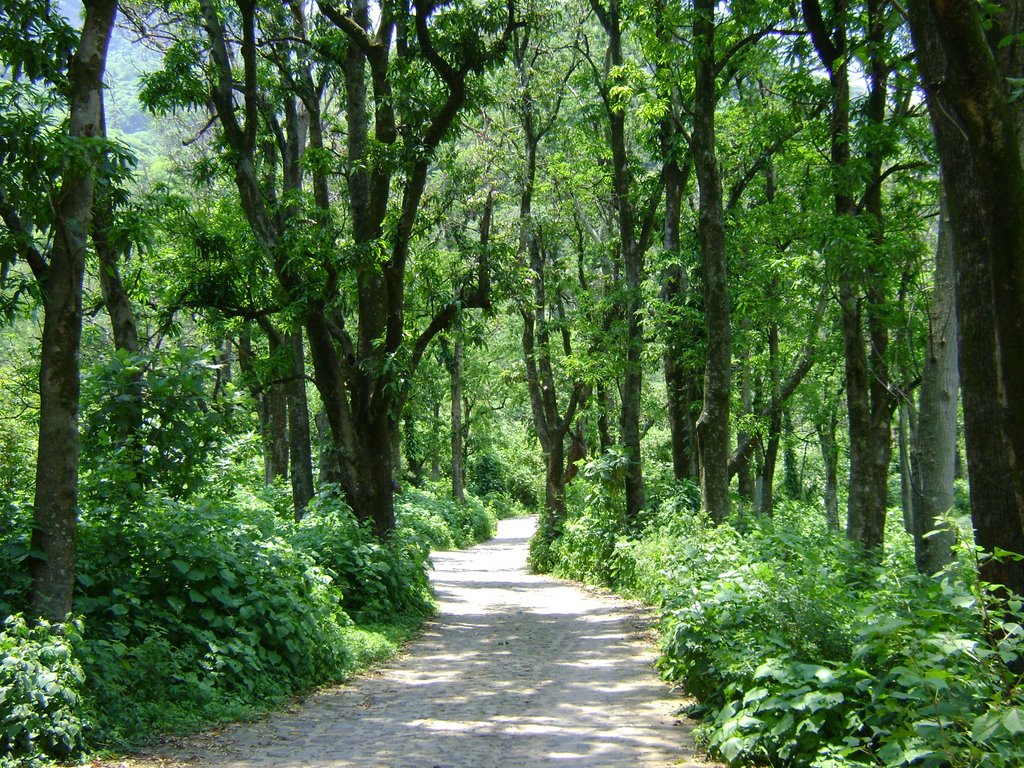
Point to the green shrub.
(40, 690)
(15, 532)
(801, 652)
(435, 518)
(379, 582)
(193, 606)
(148, 422)
(489, 475)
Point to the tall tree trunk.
(458, 480)
(766, 506)
(55, 509)
(604, 432)
(906, 471)
(679, 386)
(745, 474)
(275, 459)
(934, 454)
(632, 250)
(713, 426)
(300, 451)
(115, 298)
(435, 458)
(870, 403)
(979, 149)
(830, 460)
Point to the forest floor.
(515, 670)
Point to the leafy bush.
(491, 476)
(585, 548)
(192, 611)
(802, 652)
(40, 690)
(199, 604)
(441, 522)
(379, 582)
(148, 422)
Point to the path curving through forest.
(515, 670)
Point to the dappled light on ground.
(517, 670)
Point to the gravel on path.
(515, 670)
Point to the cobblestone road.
(516, 670)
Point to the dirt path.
(516, 670)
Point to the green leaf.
(196, 597)
(1013, 722)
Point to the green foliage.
(800, 653)
(200, 604)
(491, 476)
(40, 691)
(587, 544)
(379, 581)
(15, 533)
(433, 517)
(149, 421)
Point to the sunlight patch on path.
(516, 670)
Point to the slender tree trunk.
(830, 460)
(934, 454)
(745, 473)
(55, 509)
(713, 426)
(275, 458)
(458, 482)
(869, 402)
(115, 298)
(632, 257)
(678, 378)
(906, 471)
(300, 452)
(604, 432)
(435, 460)
(766, 507)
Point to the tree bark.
(55, 509)
(458, 480)
(979, 149)
(300, 451)
(903, 427)
(713, 425)
(934, 454)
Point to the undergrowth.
(198, 611)
(800, 651)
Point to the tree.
(713, 424)
(74, 152)
(934, 447)
(859, 252)
(404, 77)
(544, 308)
(977, 129)
(634, 218)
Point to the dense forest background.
(729, 295)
